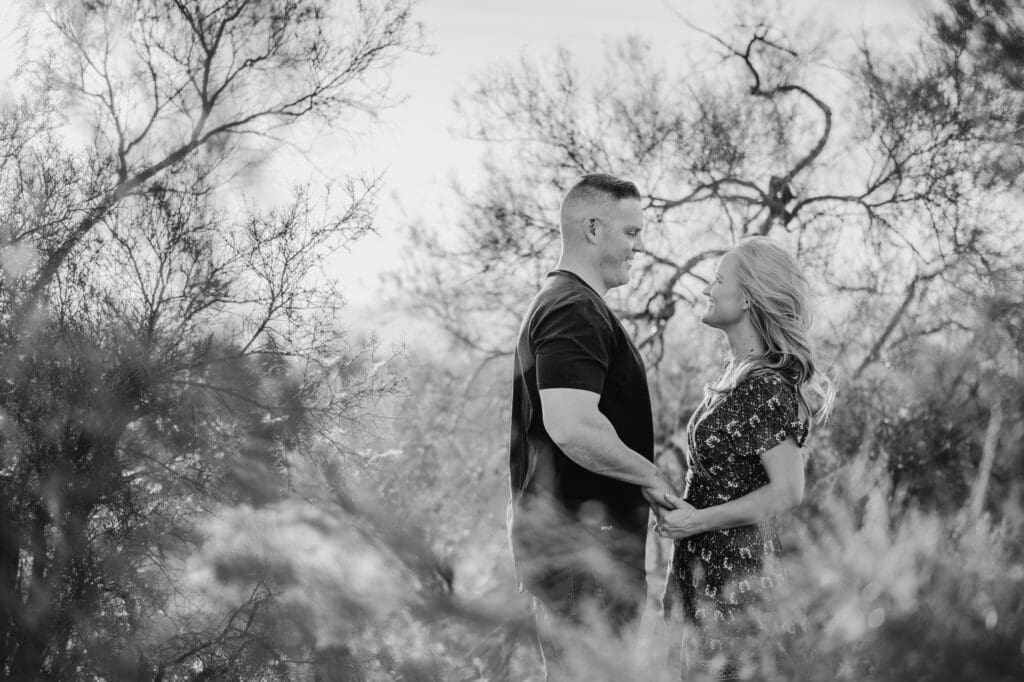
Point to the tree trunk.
(988, 456)
(30, 654)
(876, 349)
(9, 597)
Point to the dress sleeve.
(573, 347)
(774, 413)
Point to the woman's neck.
(744, 342)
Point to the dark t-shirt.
(571, 339)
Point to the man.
(582, 440)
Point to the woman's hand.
(681, 522)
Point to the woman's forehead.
(727, 263)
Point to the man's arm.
(586, 437)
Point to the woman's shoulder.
(770, 392)
(766, 382)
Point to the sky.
(417, 143)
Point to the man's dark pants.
(582, 576)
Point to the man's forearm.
(594, 445)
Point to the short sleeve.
(774, 413)
(573, 346)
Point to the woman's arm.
(785, 467)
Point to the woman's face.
(726, 301)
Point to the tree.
(875, 168)
(866, 164)
(983, 42)
(165, 357)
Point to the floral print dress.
(720, 575)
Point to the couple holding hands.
(581, 465)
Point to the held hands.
(676, 518)
(659, 493)
(680, 522)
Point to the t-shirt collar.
(560, 271)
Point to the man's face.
(618, 240)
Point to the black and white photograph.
(512, 340)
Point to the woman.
(744, 463)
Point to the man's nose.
(638, 245)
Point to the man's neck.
(585, 271)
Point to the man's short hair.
(597, 186)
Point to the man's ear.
(590, 229)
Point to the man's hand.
(681, 522)
(660, 493)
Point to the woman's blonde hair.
(779, 310)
